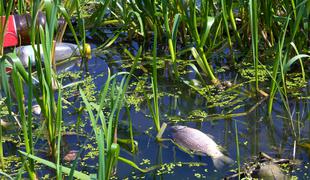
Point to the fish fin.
(219, 162)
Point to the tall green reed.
(254, 34)
(5, 11)
(171, 35)
(46, 76)
(225, 17)
(26, 120)
(4, 86)
(42, 42)
(200, 39)
(237, 149)
(67, 11)
(281, 67)
(59, 133)
(227, 14)
(300, 25)
(267, 19)
(1, 149)
(106, 133)
(296, 14)
(155, 108)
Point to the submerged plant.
(105, 127)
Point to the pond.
(182, 105)
(240, 83)
(179, 104)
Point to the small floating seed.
(36, 109)
(4, 123)
(197, 175)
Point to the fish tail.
(219, 162)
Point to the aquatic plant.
(25, 121)
(191, 22)
(200, 39)
(190, 32)
(254, 34)
(172, 35)
(237, 148)
(5, 11)
(106, 133)
(44, 92)
(155, 108)
(281, 67)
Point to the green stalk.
(254, 33)
(300, 62)
(200, 40)
(233, 22)
(225, 16)
(267, 10)
(125, 86)
(99, 137)
(1, 150)
(237, 149)
(6, 12)
(29, 118)
(171, 37)
(26, 128)
(59, 135)
(154, 81)
(278, 59)
(4, 85)
(133, 146)
(207, 66)
(21, 7)
(48, 93)
(193, 22)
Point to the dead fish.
(200, 143)
(271, 171)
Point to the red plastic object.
(8, 70)
(10, 36)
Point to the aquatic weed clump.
(246, 71)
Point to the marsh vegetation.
(236, 70)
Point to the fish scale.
(198, 142)
(205, 144)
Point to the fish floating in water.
(200, 143)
